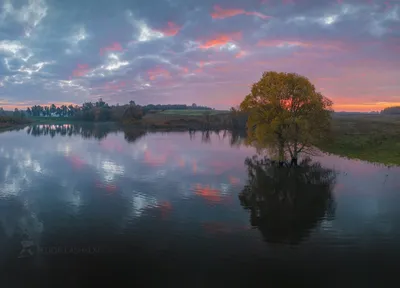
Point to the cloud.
(158, 72)
(29, 15)
(220, 40)
(171, 30)
(81, 70)
(220, 13)
(113, 47)
(76, 51)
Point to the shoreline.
(385, 154)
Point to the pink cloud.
(115, 85)
(113, 47)
(240, 54)
(171, 30)
(81, 70)
(221, 13)
(220, 40)
(158, 72)
(185, 70)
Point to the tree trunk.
(281, 153)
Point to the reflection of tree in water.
(287, 203)
(206, 136)
(133, 135)
(236, 137)
(85, 131)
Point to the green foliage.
(286, 112)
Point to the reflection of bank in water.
(285, 203)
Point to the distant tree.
(47, 110)
(395, 110)
(41, 110)
(132, 103)
(28, 111)
(64, 110)
(2, 112)
(132, 113)
(16, 113)
(53, 108)
(87, 106)
(100, 103)
(58, 111)
(71, 110)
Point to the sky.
(207, 52)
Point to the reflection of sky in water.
(48, 184)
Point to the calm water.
(77, 202)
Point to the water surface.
(185, 208)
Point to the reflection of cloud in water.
(110, 170)
(211, 194)
(141, 201)
(16, 219)
(154, 159)
(64, 148)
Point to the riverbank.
(7, 123)
(374, 138)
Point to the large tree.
(285, 111)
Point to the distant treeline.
(98, 111)
(395, 110)
(131, 113)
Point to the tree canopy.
(287, 112)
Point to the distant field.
(373, 138)
(193, 112)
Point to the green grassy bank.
(374, 138)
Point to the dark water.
(84, 205)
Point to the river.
(184, 208)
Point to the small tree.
(16, 113)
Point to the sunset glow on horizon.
(206, 52)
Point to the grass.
(7, 122)
(373, 138)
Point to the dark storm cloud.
(185, 51)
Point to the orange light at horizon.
(364, 107)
